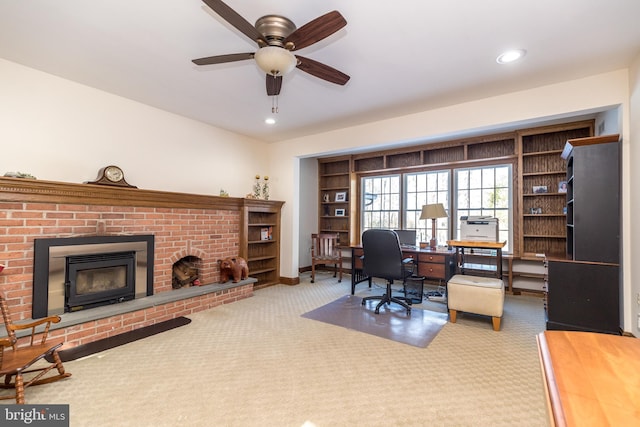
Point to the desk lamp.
(433, 211)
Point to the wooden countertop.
(591, 379)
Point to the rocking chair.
(18, 360)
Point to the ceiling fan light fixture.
(275, 60)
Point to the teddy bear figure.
(235, 267)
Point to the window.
(421, 189)
(480, 191)
(381, 202)
(485, 191)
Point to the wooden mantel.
(32, 190)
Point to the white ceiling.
(402, 56)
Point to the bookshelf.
(334, 193)
(260, 240)
(543, 201)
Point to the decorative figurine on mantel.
(234, 268)
(19, 175)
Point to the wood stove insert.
(99, 279)
(77, 273)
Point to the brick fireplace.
(206, 228)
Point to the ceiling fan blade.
(274, 84)
(221, 59)
(233, 18)
(322, 71)
(316, 30)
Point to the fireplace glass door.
(99, 279)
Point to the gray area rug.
(417, 329)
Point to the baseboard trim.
(291, 281)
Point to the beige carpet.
(257, 362)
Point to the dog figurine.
(235, 268)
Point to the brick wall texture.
(207, 234)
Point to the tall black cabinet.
(583, 290)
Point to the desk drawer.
(435, 271)
(440, 259)
(357, 261)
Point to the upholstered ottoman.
(475, 294)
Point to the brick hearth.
(207, 227)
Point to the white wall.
(59, 130)
(308, 213)
(608, 122)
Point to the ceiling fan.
(277, 37)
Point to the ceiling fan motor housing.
(275, 29)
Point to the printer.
(479, 228)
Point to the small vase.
(265, 188)
(257, 188)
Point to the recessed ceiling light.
(270, 121)
(510, 56)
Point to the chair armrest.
(409, 265)
(46, 321)
(35, 323)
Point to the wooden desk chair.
(325, 250)
(17, 360)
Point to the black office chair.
(383, 258)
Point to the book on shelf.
(266, 233)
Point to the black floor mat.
(117, 340)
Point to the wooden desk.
(590, 379)
(433, 265)
(487, 269)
